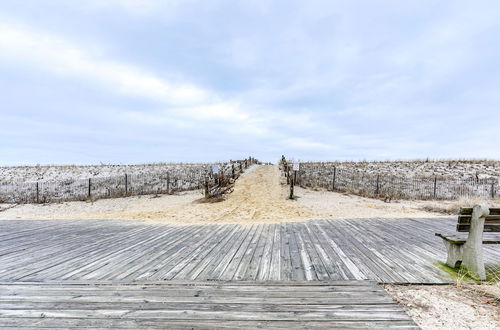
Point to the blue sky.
(138, 81)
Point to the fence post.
(435, 186)
(206, 187)
(377, 189)
(493, 189)
(126, 184)
(232, 170)
(291, 186)
(90, 184)
(168, 182)
(334, 177)
(37, 193)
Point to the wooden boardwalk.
(384, 250)
(207, 305)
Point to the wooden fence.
(331, 177)
(221, 183)
(188, 178)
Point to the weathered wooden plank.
(114, 283)
(117, 262)
(297, 270)
(16, 288)
(265, 260)
(177, 252)
(187, 259)
(248, 254)
(99, 323)
(468, 210)
(258, 256)
(487, 219)
(74, 305)
(285, 262)
(462, 238)
(400, 244)
(275, 266)
(159, 253)
(317, 263)
(112, 299)
(387, 250)
(236, 304)
(340, 265)
(71, 255)
(229, 255)
(208, 315)
(194, 292)
(203, 269)
(384, 252)
(488, 227)
(233, 265)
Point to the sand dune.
(259, 196)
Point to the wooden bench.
(467, 249)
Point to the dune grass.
(462, 275)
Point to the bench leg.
(473, 255)
(473, 259)
(455, 252)
(473, 247)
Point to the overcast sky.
(138, 81)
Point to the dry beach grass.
(458, 168)
(77, 172)
(412, 168)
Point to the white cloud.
(59, 56)
(311, 78)
(182, 101)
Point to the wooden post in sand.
(334, 177)
(206, 187)
(293, 179)
(435, 186)
(37, 193)
(90, 185)
(126, 184)
(168, 182)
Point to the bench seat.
(462, 238)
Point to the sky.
(139, 81)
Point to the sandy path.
(259, 196)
